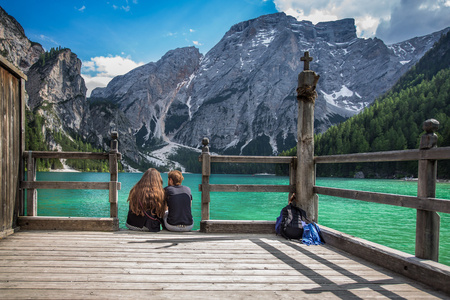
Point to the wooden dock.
(169, 265)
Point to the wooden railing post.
(113, 170)
(306, 95)
(21, 195)
(206, 172)
(428, 222)
(292, 173)
(31, 193)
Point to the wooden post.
(31, 193)
(21, 194)
(206, 172)
(292, 173)
(306, 95)
(428, 222)
(113, 170)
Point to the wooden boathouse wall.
(12, 143)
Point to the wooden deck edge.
(6, 232)
(233, 226)
(68, 223)
(429, 272)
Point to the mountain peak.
(339, 31)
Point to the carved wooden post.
(113, 170)
(428, 222)
(306, 95)
(206, 172)
(31, 193)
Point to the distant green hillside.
(394, 122)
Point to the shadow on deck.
(125, 264)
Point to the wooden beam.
(402, 155)
(68, 155)
(12, 68)
(251, 159)
(67, 185)
(252, 188)
(69, 223)
(233, 226)
(430, 204)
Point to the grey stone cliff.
(241, 94)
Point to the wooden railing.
(31, 185)
(206, 159)
(428, 221)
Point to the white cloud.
(191, 30)
(98, 71)
(414, 18)
(46, 40)
(391, 20)
(81, 9)
(197, 43)
(367, 13)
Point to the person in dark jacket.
(147, 205)
(179, 202)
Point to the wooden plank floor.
(165, 265)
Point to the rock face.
(146, 93)
(14, 45)
(57, 90)
(241, 94)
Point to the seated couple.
(151, 205)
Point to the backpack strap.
(302, 214)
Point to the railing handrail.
(386, 156)
(251, 159)
(424, 203)
(67, 155)
(113, 185)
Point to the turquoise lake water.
(384, 224)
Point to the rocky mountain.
(241, 94)
(57, 92)
(14, 44)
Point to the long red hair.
(148, 194)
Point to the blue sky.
(111, 37)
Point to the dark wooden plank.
(4, 78)
(68, 223)
(261, 188)
(430, 204)
(69, 185)
(16, 153)
(233, 226)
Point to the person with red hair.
(147, 204)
